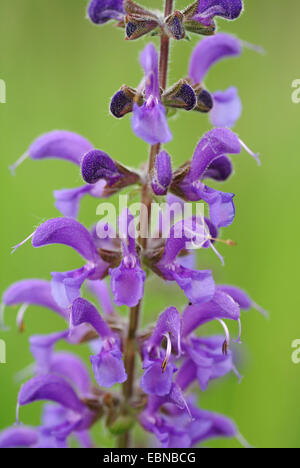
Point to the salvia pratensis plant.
(157, 367)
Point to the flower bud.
(98, 165)
(137, 26)
(181, 96)
(122, 102)
(162, 174)
(174, 25)
(204, 101)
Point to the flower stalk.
(146, 200)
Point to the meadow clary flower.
(175, 428)
(198, 285)
(18, 437)
(226, 105)
(57, 389)
(66, 286)
(159, 364)
(205, 361)
(204, 11)
(161, 177)
(188, 181)
(71, 147)
(127, 280)
(29, 292)
(101, 11)
(149, 121)
(108, 365)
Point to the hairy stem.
(146, 199)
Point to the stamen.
(20, 317)
(22, 243)
(264, 312)
(217, 253)
(227, 337)
(18, 163)
(3, 327)
(187, 408)
(243, 441)
(25, 373)
(239, 376)
(257, 48)
(18, 414)
(240, 332)
(255, 156)
(229, 242)
(168, 352)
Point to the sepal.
(180, 96)
(174, 25)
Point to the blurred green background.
(60, 73)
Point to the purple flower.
(66, 286)
(101, 292)
(205, 361)
(158, 364)
(227, 108)
(18, 437)
(98, 165)
(208, 9)
(108, 365)
(30, 292)
(59, 144)
(149, 121)
(73, 148)
(175, 428)
(198, 285)
(220, 307)
(227, 105)
(127, 280)
(64, 364)
(67, 201)
(67, 146)
(101, 11)
(52, 387)
(214, 144)
(204, 358)
(242, 298)
(162, 173)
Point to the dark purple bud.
(98, 165)
(205, 101)
(101, 11)
(122, 101)
(180, 96)
(162, 174)
(137, 26)
(174, 25)
(120, 104)
(187, 95)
